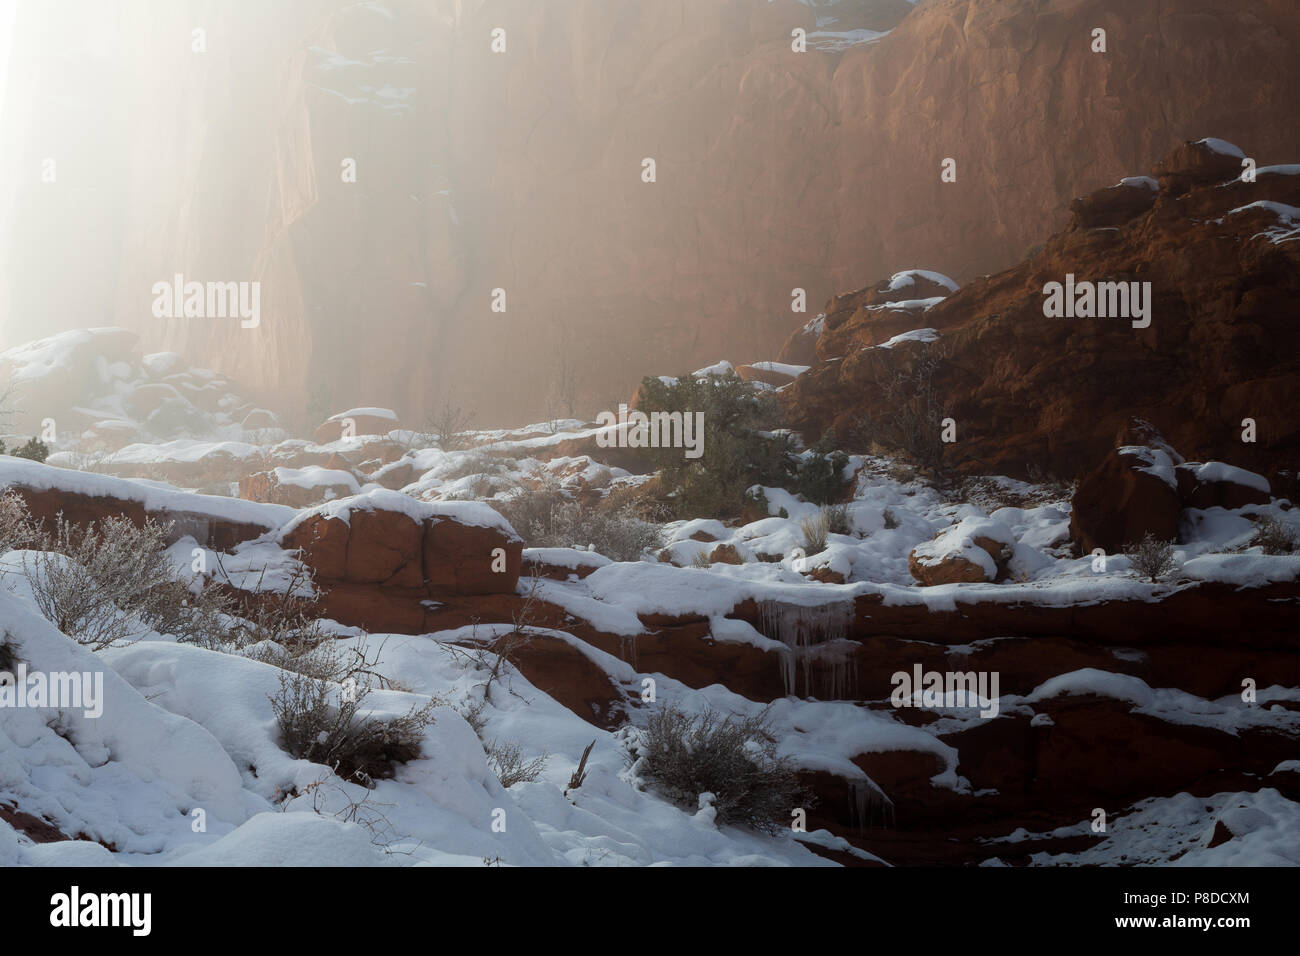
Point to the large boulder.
(388, 539)
(1132, 493)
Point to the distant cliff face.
(523, 171)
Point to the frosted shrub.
(356, 748)
(107, 582)
(1152, 558)
(17, 527)
(1270, 534)
(508, 763)
(547, 518)
(734, 758)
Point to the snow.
(718, 368)
(564, 558)
(1216, 471)
(794, 371)
(1288, 228)
(836, 41)
(1244, 570)
(384, 413)
(38, 359)
(156, 498)
(291, 839)
(916, 335)
(314, 476)
(1288, 169)
(902, 280)
(958, 542)
(473, 513)
(1139, 182)
(1229, 714)
(1155, 461)
(1177, 830)
(129, 777)
(1222, 147)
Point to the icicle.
(627, 649)
(869, 805)
(802, 630)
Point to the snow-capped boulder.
(1132, 493)
(1204, 162)
(1215, 484)
(975, 549)
(387, 538)
(298, 487)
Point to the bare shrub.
(475, 463)
(891, 519)
(496, 659)
(8, 652)
(1270, 534)
(838, 519)
(1152, 558)
(735, 758)
(473, 714)
(508, 763)
(337, 735)
(701, 559)
(287, 617)
(446, 425)
(547, 518)
(912, 425)
(107, 582)
(18, 529)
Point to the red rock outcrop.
(387, 547)
(1028, 391)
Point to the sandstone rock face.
(374, 539)
(764, 159)
(1028, 389)
(209, 528)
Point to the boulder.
(469, 559)
(1213, 484)
(1132, 493)
(1116, 204)
(975, 549)
(725, 554)
(1206, 162)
